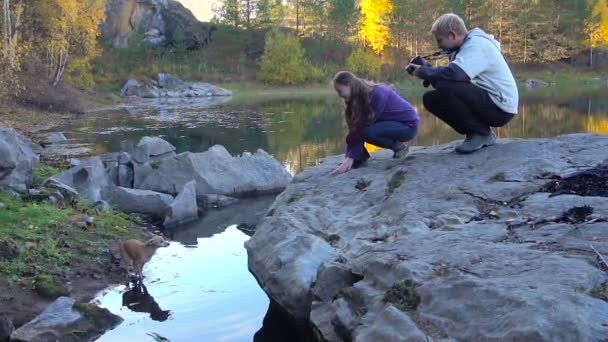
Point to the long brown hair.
(358, 111)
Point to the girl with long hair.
(376, 114)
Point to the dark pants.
(464, 106)
(386, 134)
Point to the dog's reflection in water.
(138, 299)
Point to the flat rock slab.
(441, 246)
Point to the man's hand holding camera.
(414, 67)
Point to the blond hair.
(447, 23)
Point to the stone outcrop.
(162, 22)
(17, 160)
(492, 246)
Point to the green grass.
(403, 295)
(48, 243)
(600, 292)
(42, 172)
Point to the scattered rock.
(125, 176)
(17, 160)
(532, 83)
(89, 179)
(140, 201)
(171, 87)
(66, 320)
(130, 88)
(33, 192)
(184, 208)
(153, 147)
(53, 138)
(101, 207)
(63, 193)
(8, 249)
(124, 158)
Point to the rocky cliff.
(161, 20)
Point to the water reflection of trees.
(299, 131)
(302, 131)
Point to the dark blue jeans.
(386, 134)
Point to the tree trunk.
(500, 22)
(7, 23)
(14, 37)
(298, 18)
(63, 60)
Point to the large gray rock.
(89, 179)
(217, 172)
(52, 138)
(168, 86)
(152, 148)
(140, 201)
(449, 239)
(64, 320)
(130, 88)
(184, 208)
(125, 176)
(17, 160)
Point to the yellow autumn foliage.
(374, 30)
(597, 27)
(597, 125)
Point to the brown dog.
(134, 253)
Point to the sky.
(202, 9)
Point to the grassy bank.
(48, 243)
(47, 251)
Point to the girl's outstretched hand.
(346, 165)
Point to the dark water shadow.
(138, 299)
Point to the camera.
(418, 60)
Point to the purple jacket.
(387, 105)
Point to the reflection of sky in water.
(210, 292)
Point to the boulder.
(130, 88)
(89, 179)
(442, 246)
(152, 148)
(532, 83)
(217, 172)
(184, 208)
(17, 160)
(66, 320)
(52, 138)
(140, 201)
(168, 86)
